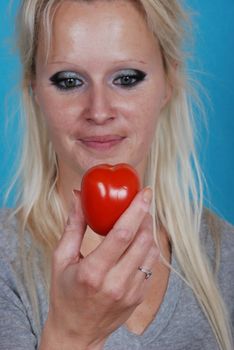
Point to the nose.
(100, 109)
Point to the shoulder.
(9, 232)
(11, 235)
(212, 221)
(7, 218)
(217, 236)
(17, 313)
(216, 230)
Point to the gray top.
(178, 325)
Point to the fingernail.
(147, 195)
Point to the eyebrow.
(126, 60)
(115, 62)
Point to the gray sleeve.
(15, 329)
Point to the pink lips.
(101, 142)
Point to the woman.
(104, 82)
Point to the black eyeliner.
(133, 72)
(59, 80)
(135, 77)
(63, 75)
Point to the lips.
(102, 139)
(103, 142)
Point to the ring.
(147, 272)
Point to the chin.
(86, 165)
(110, 161)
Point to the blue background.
(213, 66)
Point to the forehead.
(114, 26)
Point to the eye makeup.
(128, 78)
(66, 80)
(125, 78)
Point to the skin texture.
(98, 40)
(94, 293)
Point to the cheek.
(148, 112)
(145, 134)
(59, 113)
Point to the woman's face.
(103, 87)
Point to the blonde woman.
(104, 82)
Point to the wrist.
(98, 346)
(53, 339)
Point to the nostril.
(99, 119)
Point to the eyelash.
(60, 79)
(136, 76)
(133, 76)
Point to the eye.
(129, 78)
(66, 80)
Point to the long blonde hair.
(172, 169)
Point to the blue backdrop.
(213, 65)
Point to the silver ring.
(147, 272)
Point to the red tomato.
(106, 192)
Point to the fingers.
(68, 249)
(123, 232)
(124, 281)
(142, 251)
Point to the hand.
(93, 296)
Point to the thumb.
(68, 249)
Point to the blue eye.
(66, 80)
(129, 78)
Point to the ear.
(168, 93)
